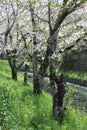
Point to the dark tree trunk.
(58, 91)
(13, 68)
(56, 83)
(14, 73)
(37, 85)
(36, 76)
(12, 63)
(58, 94)
(26, 74)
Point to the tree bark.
(56, 82)
(14, 73)
(12, 63)
(26, 74)
(36, 77)
(58, 94)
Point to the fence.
(76, 61)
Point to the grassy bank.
(76, 75)
(20, 109)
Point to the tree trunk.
(58, 86)
(56, 83)
(58, 94)
(37, 85)
(14, 73)
(26, 74)
(12, 63)
(37, 89)
(36, 76)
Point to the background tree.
(12, 37)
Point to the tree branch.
(49, 16)
(62, 15)
(41, 18)
(65, 2)
(25, 45)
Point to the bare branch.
(12, 7)
(75, 7)
(41, 18)
(65, 2)
(25, 45)
(49, 15)
(69, 47)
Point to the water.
(77, 85)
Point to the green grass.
(76, 75)
(20, 109)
